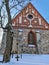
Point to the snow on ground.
(28, 59)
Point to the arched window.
(31, 38)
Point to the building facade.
(31, 32)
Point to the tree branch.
(15, 5)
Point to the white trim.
(46, 26)
(20, 19)
(28, 18)
(32, 11)
(13, 24)
(37, 31)
(31, 45)
(27, 10)
(39, 21)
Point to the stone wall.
(42, 41)
(23, 40)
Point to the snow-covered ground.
(28, 59)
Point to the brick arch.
(34, 37)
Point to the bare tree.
(9, 9)
(8, 48)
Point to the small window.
(30, 16)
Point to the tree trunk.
(7, 53)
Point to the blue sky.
(43, 8)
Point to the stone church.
(31, 32)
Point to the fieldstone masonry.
(42, 43)
(22, 39)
